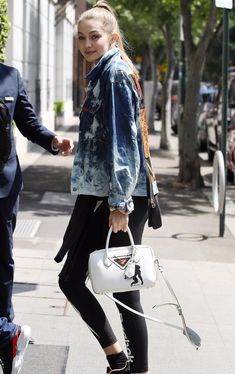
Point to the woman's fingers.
(118, 221)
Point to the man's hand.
(64, 145)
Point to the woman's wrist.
(118, 220)
(119, 210)
(124, 206)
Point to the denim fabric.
(109, 157)
(8, 214)
(7, 331)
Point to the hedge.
(4, 28)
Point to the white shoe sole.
(22, 345)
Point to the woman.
(110, 180)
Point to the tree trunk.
(167, 88)
(145, 66)
(153, 99)
(189, 167)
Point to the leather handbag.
(154, 210)
(120, 269)
(133, 267)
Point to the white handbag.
(120, 269)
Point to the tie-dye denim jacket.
(109, 157)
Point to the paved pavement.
(199, 264)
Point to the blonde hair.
(105, 13)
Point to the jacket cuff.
(55, 151)
(125, 206)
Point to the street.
(199, 264)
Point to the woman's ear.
(115, 39)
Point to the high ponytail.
(106, 14)
(103, 4)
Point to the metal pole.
(225, 104)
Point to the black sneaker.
(12, 354)
(124, 370)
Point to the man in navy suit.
(13, 338)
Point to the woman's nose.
(87, 42)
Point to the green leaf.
(4, 28)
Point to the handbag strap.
(151, 178)
(143, 119)
(106, 259)
(191, 335)
(110, 232)
(144, 128)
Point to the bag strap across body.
(151, 178)
(145, 139)
(191, 335)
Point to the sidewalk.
(199, 264)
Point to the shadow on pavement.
(38, 179)
(178, 200)
(20, 287)
(43, 178)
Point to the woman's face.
(93, 41)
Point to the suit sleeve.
(124, 157)
(27, 121)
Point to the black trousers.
(74, 284)
(8, 212)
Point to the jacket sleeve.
(123, 151)
(27, 121)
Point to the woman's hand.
(118, 221)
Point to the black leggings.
(74, 287)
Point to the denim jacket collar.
(99, 67)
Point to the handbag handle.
(107, 262)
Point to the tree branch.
(209, 32)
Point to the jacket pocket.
(91, 105)
(91, 126)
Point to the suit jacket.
(13, 93)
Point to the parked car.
(207, 97)
(213, 127)
(159, 101)
(174, 106)
(231, 151)
(213, 131)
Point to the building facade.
(40, 46)
(79, 65)
(64, 29)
